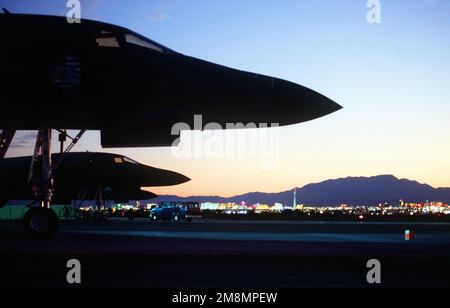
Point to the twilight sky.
(391, 78)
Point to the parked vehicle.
(175, 211)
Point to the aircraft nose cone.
(297, 104)
(141, 175)
(154, 177)
(178, 178)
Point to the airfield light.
(409, 235)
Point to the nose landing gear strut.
(40, 220)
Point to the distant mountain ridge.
(350, 190)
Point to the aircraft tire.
(40, 222)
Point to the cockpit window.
(107, 42)
(132, 39)
(128, 160)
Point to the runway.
(209, 253)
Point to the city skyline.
(389, 77)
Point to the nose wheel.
(40, 222)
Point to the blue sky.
(391, 78)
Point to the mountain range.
(350, 190)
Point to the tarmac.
(224, 254)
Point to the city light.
(360, 212)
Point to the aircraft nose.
(153, 177)
(300, 104)
(178, 178)
(224, 95)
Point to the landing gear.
(40, 222)
(41, 177)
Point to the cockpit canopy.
(112, 40)
(56, 29)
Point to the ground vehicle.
(175, 211)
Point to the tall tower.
(295, 198)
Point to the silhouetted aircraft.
(86, 176)
(98, 76)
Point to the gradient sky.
(391, 78)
